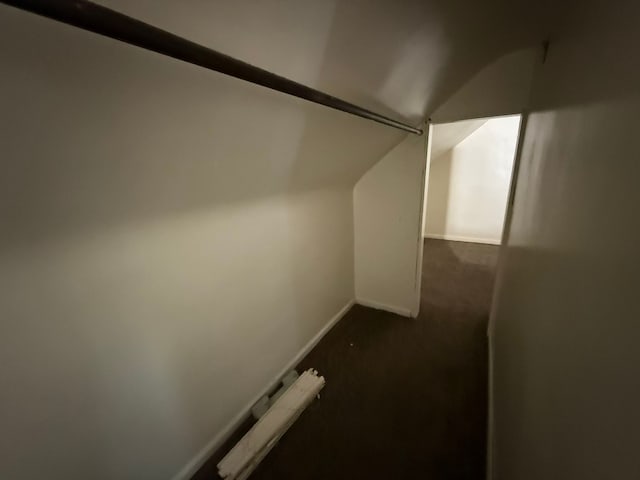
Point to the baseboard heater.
(245, 456)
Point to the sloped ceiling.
(400, 57)
(501, 88)
(448, 135)
(92, 118)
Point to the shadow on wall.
(438, 193)
(424, 51)
(445, 137)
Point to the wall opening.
(468, 180)
(469, 177)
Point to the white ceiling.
(169, 136)
(401, 57)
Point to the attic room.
(212, 253)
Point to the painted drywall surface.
(451, 134)
(107, 149)
(469, 184)
(387, 215)
(500, 88)
(403, 57)
(123, 350)
(385, 254)
(565, 333)
(170, 239)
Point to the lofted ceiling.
(92, 118)
(401, 57)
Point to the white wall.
(386, 201)
(123, 349)
(565, 333)
(170, 240)
(387, 212)
(405, 57)
(469, 184)
(500, 88)
(451, 134)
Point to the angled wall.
(387, 212)
(500, 88)
(171, 238)
(388, 198)
(565, 333)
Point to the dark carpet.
(405, 398)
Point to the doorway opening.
(469, 178)
(468, 184)
(467, 189)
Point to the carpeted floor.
(405, 398)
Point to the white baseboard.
(405, 312)
(201, 457)
(459, 238)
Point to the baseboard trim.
(459, 238)
(405, 312)
(203, 455)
